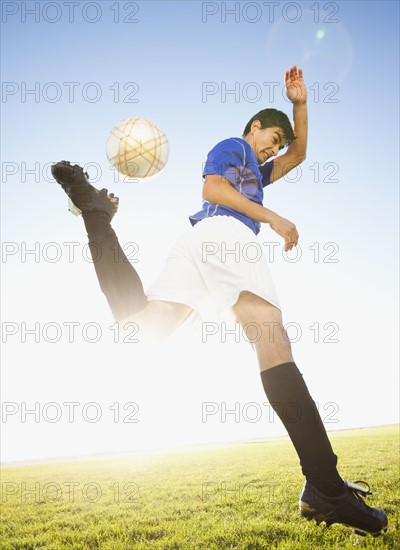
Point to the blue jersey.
(236, 161)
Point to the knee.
(141, 331)
(275, 336)
(143, 326)
(252, 309)
(156, 322)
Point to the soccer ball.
(137, 148)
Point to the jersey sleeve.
(226, 159)
(266, 171)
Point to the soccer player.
(235, 173)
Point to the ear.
(255, 126)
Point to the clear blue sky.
(173, 65)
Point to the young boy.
(234, 176)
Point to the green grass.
(240, 496)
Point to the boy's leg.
(118, 279)
(288, 394)
(158, 320)
(326, 495)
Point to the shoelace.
(357, 489)
(359, 492)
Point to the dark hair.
(270, 118)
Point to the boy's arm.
(218, 190)
(296, 92)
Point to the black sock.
(118, 279)
(291, 400)
(96, 222)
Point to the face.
(267, 142)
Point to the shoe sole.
(66, 174)
(329, 518)
(72, 176)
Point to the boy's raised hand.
(296, 90)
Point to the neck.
(249, 138)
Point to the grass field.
(241, 496)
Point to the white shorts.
(211, 264)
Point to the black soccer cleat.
(83, 195)
(348, 508)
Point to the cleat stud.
(361, 533)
